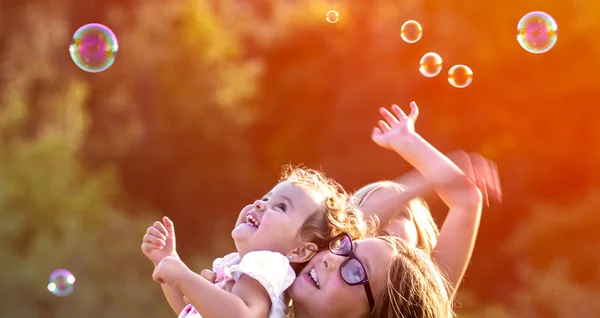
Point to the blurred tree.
(56, 213)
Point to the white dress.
(272, 270)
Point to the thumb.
(209, 275)
(169, 226)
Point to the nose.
(260, 205)
(331, 261)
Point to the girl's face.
(320, 290)
(273, 223)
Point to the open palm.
(395, 126)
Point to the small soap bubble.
(332, 16)
(61, 283)
(94, 48)
(431, 64)
(460, 76)
(537, 32)
(411, 31)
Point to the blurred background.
(208, 99)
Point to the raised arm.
(462, 196)
(158, 243)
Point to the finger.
(169, 225)
(414, 111)
(384, 126)
(496, 180)
(462, 160)
(151, 239)
(209, 275)
(156, 276)
(389, 118)
(481, 175)
(158, 279)
(160, 227)
(154, 231)
(399, 112)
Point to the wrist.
(174, 254)
(403, 144)
(184, 277)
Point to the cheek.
(406, 230)
(279, 224)
(335, 296)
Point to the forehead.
(294, 191)
(375, 255)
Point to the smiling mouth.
(314, 278)
(251, 219)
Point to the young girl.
(284, 229)
(401, 214)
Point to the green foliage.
(59, 215)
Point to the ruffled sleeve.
(272, 271)
(221, 267)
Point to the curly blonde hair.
(337, 214)
(427, 230)
(414, 286)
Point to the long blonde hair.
(427, 230)
(414, 286)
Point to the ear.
(303, 252)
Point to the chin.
(243, 243)
(296, 291)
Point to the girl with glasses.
(376, 277)
(386, 276)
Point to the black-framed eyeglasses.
(353, 272)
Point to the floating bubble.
(62, 283)
(332, 16)
(411, 31)
(460, 76)
(94, 48)
(537, 32)
(431, 64)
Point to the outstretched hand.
(395, 127)
(159, 241)
(482, 171)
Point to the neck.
(300, 312)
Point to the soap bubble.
(431, 64)
(411, 31)
(460, 76)
(537, 32)
(332, 16)
(94, 48)
(61, 282)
